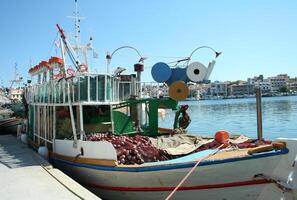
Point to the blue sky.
(256, 37)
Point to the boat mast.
(78, 47)
(77, 27)
(17, 77)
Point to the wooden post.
(259, 115)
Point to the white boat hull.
(230, 179)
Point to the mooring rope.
(191, 171)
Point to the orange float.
(178, 90)
(222, 136)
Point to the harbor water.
(238, 116)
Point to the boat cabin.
(72, 106)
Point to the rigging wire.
(53, 44)
(161, 56)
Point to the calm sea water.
(238, 116)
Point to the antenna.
(76, 24)
(77, 19)
(77, 50)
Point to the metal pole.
(259, 115)
(139, 94)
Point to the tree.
(284, 89)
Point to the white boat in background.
(68, 104)
(4, 99)
(10, 125)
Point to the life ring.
(58, 76)
(70, 72)
(83, 68)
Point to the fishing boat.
(10, 125)
(94, 128)
(11, 107)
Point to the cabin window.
(101, 87)
(63, 122)
(62, 90)
(96, 119)
(74, 89)
(52, 91)
(57, 92)
(65, 92)
(45, 92)
(83, 81)
(109, 86)
(125, 90)
(93, 88)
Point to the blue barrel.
(161, 72)
(178, 74)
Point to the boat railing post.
(45, 116)
(72, 89)
(39, 123)
(111, 118)
(259, 115)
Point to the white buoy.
(24, 138)
(196, 71)
(43, 151)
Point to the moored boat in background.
(10, 125)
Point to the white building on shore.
(3, 98)
(16, 94)
(278, 82)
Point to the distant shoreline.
(238, 97)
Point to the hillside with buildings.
(278, 85)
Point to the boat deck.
(25, 175)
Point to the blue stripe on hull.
(172, 166)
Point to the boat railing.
(91, 88)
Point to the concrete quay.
(26, 175)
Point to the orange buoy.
(178, 90)
(222, 136)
